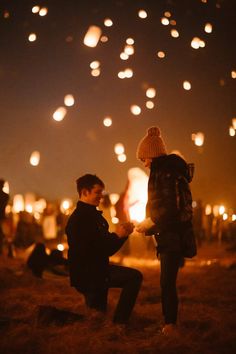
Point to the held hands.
(124, 229)
(144, 226)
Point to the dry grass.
(206, 315)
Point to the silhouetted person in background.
(90, 245)
(4, 197)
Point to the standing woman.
(166, 220)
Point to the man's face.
(93, 196)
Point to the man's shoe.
(170, 330)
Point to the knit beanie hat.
(152, 145)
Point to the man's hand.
(125, 229)
(145, 225)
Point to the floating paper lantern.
(95, 72)
(107, 122)
(35, 9)
(150, 104)
(195, 43)
(122, 157)
(161, 55)
(18, 203)
(119, 148)
(208, 209)
(198, 138)
(233, 74)
(43, 11)
(174, 33)
(221, 209)
(128, 73)
(40, 205)
(135, 109)
(151, 92)
(232, 131)
(59, 114)
(104, 39)
(202, 44)
(142, 14)
(130, 41)
(187, 85)
(167, 14)
(234, 217)
(165, 21)
(94, 64)
(35, 158)
(225, 216)
(173, 22)
(129, 49)
(234, 123)
(121, 75)
(108, 22)
(60, 247)
(114, 197)
(208, 28)
(65, 205)
(32, 37)
(124, 56)
(92, 36)
(69, 100)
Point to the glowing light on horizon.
(92, 36)
(135, 109)
(18, 203)
(225, 216)
(142, 14)
(107, 122)
(32, 37)
(69, 100)
(119, 149)
(221, 209)
(187, 85)
(198, 139)
(208, 209)
(40, 205)
(108, 22)
(151, 92)
(35, 158)
(59, 114)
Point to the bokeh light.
(119, 148)
(69, 100)
(92, 36)
(135, 109)
(108, 22)
(142, 14)
(107, 121)
(35, 158)
(59, 114)
(186, 85)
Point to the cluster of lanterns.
(120, 152)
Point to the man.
(4, 197)
(170, 217)
(90, 245)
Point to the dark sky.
(35, 77)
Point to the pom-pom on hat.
(152, 144)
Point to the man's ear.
(84, 192)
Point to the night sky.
(35, 77)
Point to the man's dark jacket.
(90, 245)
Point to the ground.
(32, 318)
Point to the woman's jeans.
(170, 263)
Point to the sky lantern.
(18, 203)
(232, 131)
(59, 114)
(108, 22)
(130, 41)
(233, 74)
(187, 85)
(208, 28)
(35, 9)
(142, 14)
(234, 217)
(119, 149)
(92, 36)
(221, 209)
(174, 33)
(121, 75)
(198, 139)
(128, 73)
(195, 43)
(32, 37)
(94, 64)
(60, 247)
(107, 121)
(129, 49)
(96, 72)
(121, 157)
(150, 104)
(202, 43)
(114, 197)
(161, 54)
(234, 123)
(104, 39)
(65, 205)
(173, 22)
(165, 21)
(135, 109)
(29, 202)
(35, 158)
(208, 209)
(124, 56)
(225, 216)
(69, 100)
(151, 92)
(40, 205)
(167, 14)
(43, 11)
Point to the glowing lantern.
(195, 42)
(69, 100)
(233, 74)
(115, 220)
(43, 11)
(124, 56)
(150, 105)
(167, 14)
(174, 33)
(202, 44)
(208, 209)
(121, 157)
(151, 92)
(129, 49)
(35, 158)
(35, 9)
(18, 203)
(161, 54)
(104, 39)
(32, 37)
(95, 72)
(173, 22)
(40, 205)
(60, 247)
(198, 138)
(114, 198)
(225, 216)
(137, 194)
(208, 28)
(128, 73)
(130, 41)
(94, 64)
(107, 122)
(135, 109)
(6, 14)
(232, 131)
(233, 217)
(119, 149)
(221, 209)
(121, 75)
(142, 14)
(59, 114)
(187, 85)
(216, 210)
(92, 36)
(65, 205)
(234, 123)
(108, 22)
(165, 21)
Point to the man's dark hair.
(87, 182)
(2, 182)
